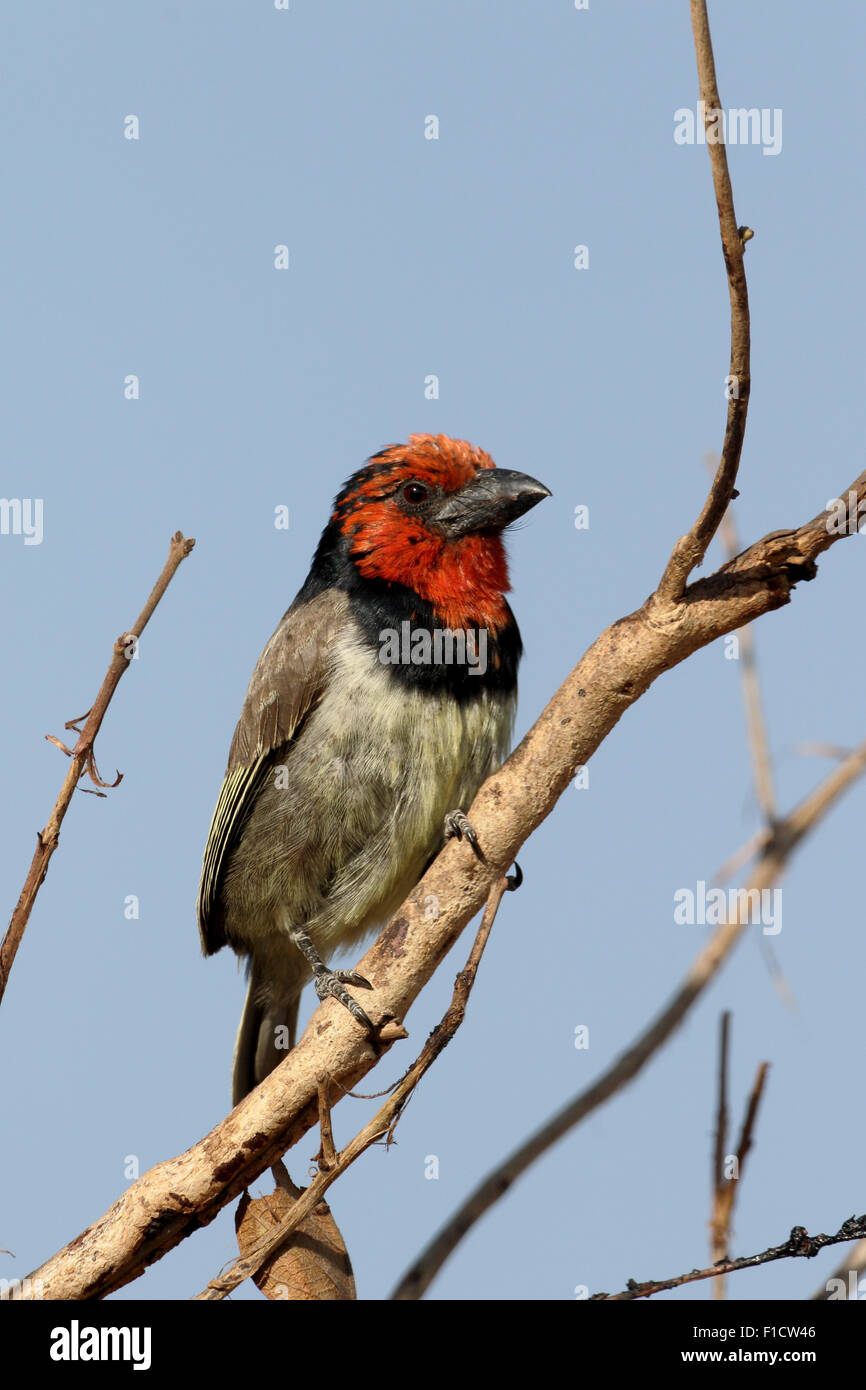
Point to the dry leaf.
(315, 1265)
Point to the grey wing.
(288, 680)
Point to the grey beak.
(494, 498)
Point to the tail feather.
(259, 1046)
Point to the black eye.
(415, 492)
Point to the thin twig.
(727, 1189)
(799, 1245)
(821, 750)
(718, 1242)
(722, 1107)
(759, 744)
(382, 1124)
(748, 1129)
(789, 833)
(327, 1148)
(759, 749)
(754, 846)
(82, 760)
(691, 548)
(757, 729)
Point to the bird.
(383, 700)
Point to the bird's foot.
(331, 984)
(458, 823)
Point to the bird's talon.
(513, 881)
(329, 985)
(458, 823)
(351, 977)
(358, 1013)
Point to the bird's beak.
(494, 498)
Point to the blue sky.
(261, 387)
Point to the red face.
(429, 515)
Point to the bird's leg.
(458, 823)
(332, 983)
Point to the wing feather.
(287, 683)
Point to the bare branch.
(800, 1245)
(722, 1105)
(727, 1189)
(751, 1115)
(691, 548)
(327, 1149)
(756, 726)
(718, 1241)
(822, 750)
(762, 766)
(743, 856)
(82, 760)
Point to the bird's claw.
(513, 881)
(458, 824)
(331, 984)
(351, 977)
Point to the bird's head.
(429, 515)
